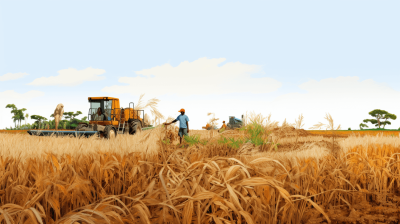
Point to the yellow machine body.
(111, 106)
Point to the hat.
(182, 110)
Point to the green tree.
(76, 114)
(26, 117)
(13, 111)
(38, 119)
(18, 114)
(388, 116)
(68, 115)
(380, 115)
(71, 116)
(362, 125)
(15, 120)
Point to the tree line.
(70, 120)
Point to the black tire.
(110, 132)
(81, 126)
(228, 127)
(135, 126)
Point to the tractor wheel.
(228, 127)
(81, 126)
(135, 127)
(109, 132)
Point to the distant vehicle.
(234, 122)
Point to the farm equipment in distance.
(234, 123)
(106, 119)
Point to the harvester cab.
(234, 122)
(109, 119)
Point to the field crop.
(360, 133)
(26, 131)
(150, 178)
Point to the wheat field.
(144, 178)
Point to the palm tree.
(15, 119)
(21, 115)
(18, 114)
(13, 111)
(26, 116)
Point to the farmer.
(223, 126)
(183, 124)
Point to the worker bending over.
(183, 124)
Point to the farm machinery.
(234, 122)
(106, 119)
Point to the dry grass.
(152, 104)
(35, 147)
(140, 179)
(357, 133)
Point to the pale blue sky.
(293, 42)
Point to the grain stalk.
(329, 126)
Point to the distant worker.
(183, 124)
(223, 126)
(207, 127)
(58, 114)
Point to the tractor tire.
(135, 126)
(109, 132)
(228, 127)
(81, 126)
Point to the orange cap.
(182, 110)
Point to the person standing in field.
(183, 124)
(58, 113)
(223, 126)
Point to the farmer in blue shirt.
(183, 124)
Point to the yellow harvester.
(107, 118)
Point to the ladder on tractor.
(123, 128)
(119, 123)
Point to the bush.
(194, 139)
(255, 132)
(231, 142)
(349, 129)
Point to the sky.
(283, 58)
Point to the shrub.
(255, 133)
(194, 139)
(231, 142)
